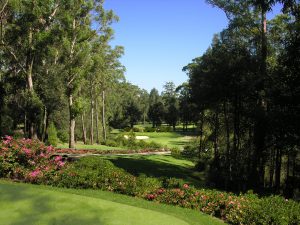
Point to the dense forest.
(246, 89)
(58, 68)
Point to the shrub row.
(131, 142)
(243, 209)
(97, 173)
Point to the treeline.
(246, 87)
(171, 107)
(55, 59)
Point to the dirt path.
(71, 155)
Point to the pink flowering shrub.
(242, 209)
(28, 160)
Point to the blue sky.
(162, 36)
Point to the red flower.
(185, 186)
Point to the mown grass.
(160, 166)
(80, 145)
(31, 204)
(169, 139)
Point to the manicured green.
(160, 166)
(80, 145)
(169, 139)
(31, 204)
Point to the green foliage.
(156, 113)
(52, 135)
(150, 129)
(131, 142)
(163, 129)
(1, 166)
(33, 105)
(77, 107)
(111, 143)
(7, 124)
(190, 151)
(173, 183)
(63, 136)
(137, 129)
(176, 152)
(97, 173)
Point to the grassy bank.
(31, 204)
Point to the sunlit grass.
(32, 204)
(80, 145)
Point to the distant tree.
(156, 108)
(170, 98)
(187, 109)
(156, 113)
(154, 97)
(144, 102)
(133, 113)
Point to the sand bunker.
(137, 137)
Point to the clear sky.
(162, 36)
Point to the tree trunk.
(278, 168)
(228, 178)
(97, 123)
(71, 124)
(44, 124)
(216, 140)
(29, 66)
(103, 116)
(201, 135)
(271, 170)
(83, 128)
(25, 126)
(32, 124)
(92, 117)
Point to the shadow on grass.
(158, 168)
(23, 205)
(179, 143)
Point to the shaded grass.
(31, 204)
(160, 166)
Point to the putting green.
(28, 204)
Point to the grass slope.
(160, 166)
(30, 204)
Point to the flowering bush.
(97, 173)
(28, 160)
(242, 209)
